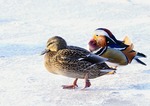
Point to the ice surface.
(25, 26)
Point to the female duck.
(74, 62)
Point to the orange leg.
(73, 86)
(87, 81)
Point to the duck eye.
(50, 43)
(96, 35)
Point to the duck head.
(55, 44)
(103, 37)
(109, 37)
(99, 40)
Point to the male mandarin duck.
(106, 45)
(74, 62)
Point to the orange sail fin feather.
(129, 52)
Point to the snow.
(25, 26)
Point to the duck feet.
(87, 81)
(87, 84)
(73, 86)
(69, 86)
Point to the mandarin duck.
(106, 45)
(74, 62)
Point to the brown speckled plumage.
(72, 61)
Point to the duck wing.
(78, 55)
(76, 64)
(88, 56)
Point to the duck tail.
(139, 55)
(139, 61)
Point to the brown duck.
(74, 62)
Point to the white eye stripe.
(101, 32)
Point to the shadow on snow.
(9, 50)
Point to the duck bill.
(92, 45)
(45, 51)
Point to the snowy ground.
(25, 26)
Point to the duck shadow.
(147, 71)
(142, 86)
(9, 50)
